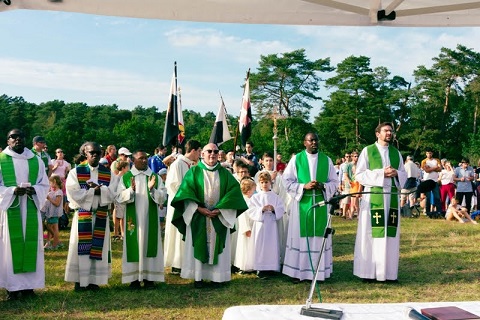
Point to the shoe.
(392, 281)
(176, 271)
(78, 288)
(135, 285)
(217, 285)
(234, 269)
(295, 280)
(368, 280)
(93, 287)
(149, 285)
(198, 284)
(262, 275)
(13, 295)
(29, 293)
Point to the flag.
(171, 129)
(181, 127)
(245, 122)
(220, 132)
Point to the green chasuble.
(131, 234)
(24, 247)
(192, 188)
(377, 207)
(312, 221)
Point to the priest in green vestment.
(377, 247)
(206, 207)
(23, 190)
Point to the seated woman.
(457, 212)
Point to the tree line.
(439, 110)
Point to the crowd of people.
(203, 213)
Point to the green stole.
(192, 188)
(377, 208)
(312, 222)
(24, 250)
(131, 234)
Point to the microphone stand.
(308, 310)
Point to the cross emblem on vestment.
(394, 216)
(377, 216)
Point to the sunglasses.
(16, 136)
(94, 152)
(210, 151)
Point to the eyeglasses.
(93, 152)
(210, 151)
(16, 136)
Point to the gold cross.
(377, 216)
(393, 216)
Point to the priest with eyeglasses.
(206, 207)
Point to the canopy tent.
(399, 13)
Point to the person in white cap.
(123, 155)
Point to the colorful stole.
(24, 250)
(131, 234)
(314, 221)
(91, 243)
(377, 208)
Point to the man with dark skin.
(90, 193)
(23, 189)
(142, 191)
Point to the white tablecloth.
(380, 311)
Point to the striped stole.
(91, 238)
(23, 248)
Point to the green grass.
(439, 262)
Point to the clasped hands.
(314, 185)
(93, 185)
(389, 172)
(21, 191)
(208, 213)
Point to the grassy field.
(439, 262)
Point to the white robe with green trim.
(29, 280)
(300, 255)
(376, 258)
(148, 268)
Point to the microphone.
(414, 314)
(319, 204)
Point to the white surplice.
(376, 258)
(82, 269)
(301, 253)
(244, 252)
(174, 245)
(265, 232)
(193, 268)
(148, 268)
(28, 280)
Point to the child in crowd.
(53, 209)
(266, 208)
(163, 208)
(244, 253)
(119, 212)
(457, 212)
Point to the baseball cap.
(103, 161)
(39, 139)
(124, 151)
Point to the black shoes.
(148, 285)
(13, 295)
(262, 275)
(198, 284)
(24, 294)
(176, 271)
(135, 285)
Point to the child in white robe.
(266, 208)
(244, 253)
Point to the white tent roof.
(423, 13)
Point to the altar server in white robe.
(266, 210)
(173, 238)
(91, 191)
(377, 247)
(245, 252)
(309, 178)
(142, 191)
(23, 188)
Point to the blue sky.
(129, 62)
